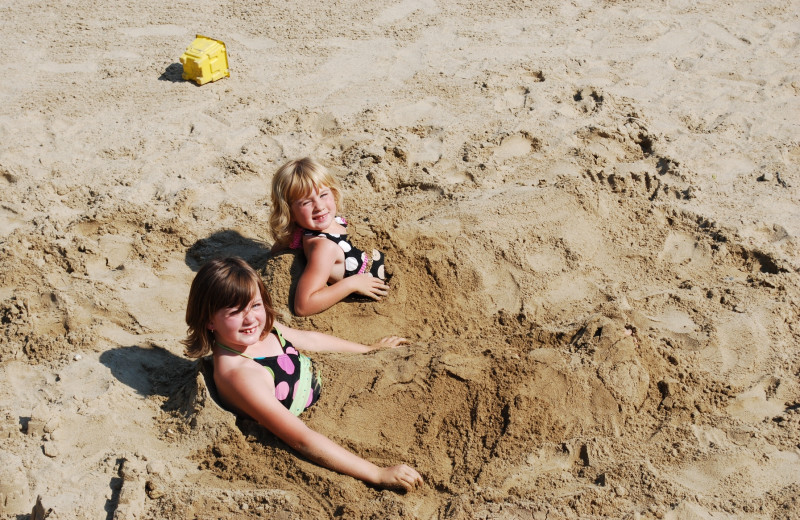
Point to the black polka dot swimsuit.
(356, 261)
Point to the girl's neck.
(231, 350)
(226, 347)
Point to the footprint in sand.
(588, 100)
(511, 89)
(425, 111)
(686, 252)
(765, 398)
(9, 220)
(515, 145)
(499, 149)
(512, 99)
(624, 161)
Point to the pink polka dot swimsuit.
(286, 372)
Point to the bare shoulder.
(248, 388)
(320, 248)
(236, 372)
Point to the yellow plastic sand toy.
(205, 60)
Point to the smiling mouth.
(250, 330)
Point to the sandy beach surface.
(591, 211)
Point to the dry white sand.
(592, 212)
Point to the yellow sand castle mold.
(205, 60)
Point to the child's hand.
(369, 286)
(389, 342)
(399, 477)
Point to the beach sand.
(591, 211)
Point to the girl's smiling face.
(239, 329)
(316, 210)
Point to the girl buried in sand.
(305, 198)
(259, 372)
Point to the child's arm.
(313, 293)
(251, 390)
(318, 342)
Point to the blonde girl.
(305, 200)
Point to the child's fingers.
(410, 477)
(377, 289)
(371, 287)
(392, 341)
(375, 295)
(416, 479)
(403, 476)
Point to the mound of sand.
(590, 212)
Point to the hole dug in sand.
(490, 418)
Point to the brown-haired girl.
(258, 370)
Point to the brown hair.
(222, 283)
(295, 180)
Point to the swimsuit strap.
(232, 350)
(297, 238)
(280, 338)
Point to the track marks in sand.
(624, 159)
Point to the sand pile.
(590, 211)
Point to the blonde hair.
(295, 180)
(225, 283)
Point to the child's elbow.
(301, 445)
(302, 309)
(304, 443)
